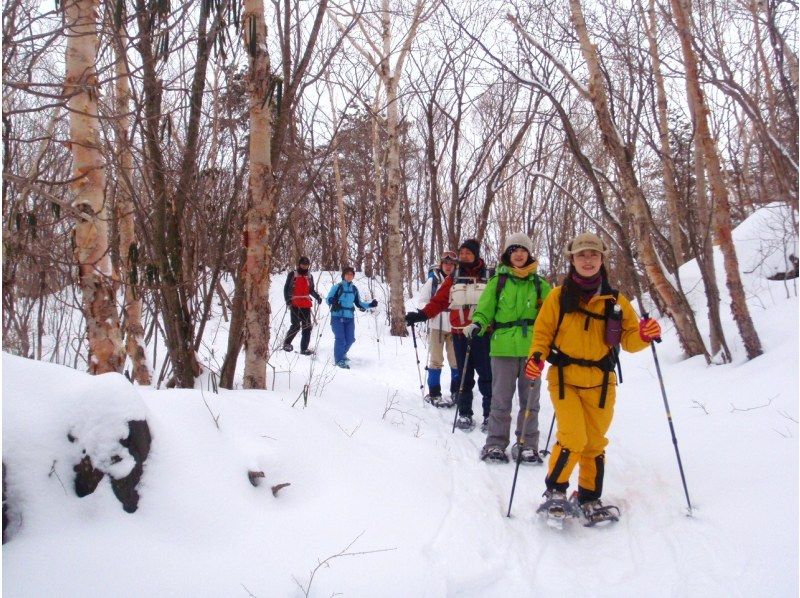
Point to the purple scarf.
(587, 286)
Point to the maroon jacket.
(441, 300)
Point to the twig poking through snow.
(767, 404)
(699, 405)
(54, 472)
(349, 434)
(214, 417)
(787, 416)
(307, 589)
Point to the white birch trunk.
(91, 246)
(255, 272)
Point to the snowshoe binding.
(526, 454)
(288, 347)
(433, 399)
(465, 423)
(307, 352)
(446, 402)
(343, 364)
(598, 514)
(556, 508)
(493, 454)
(485, 425)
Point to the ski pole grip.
(646, 316)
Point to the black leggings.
(301, 318)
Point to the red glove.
(649, 330)
(534, 367)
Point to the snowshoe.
(465, 422)
(485, 425)
(307, 352)
(528, 454)
(556, 508)
(596, 513)
(343, 364)
(288, 347)
(493, 454)
(446, 402)
(433, 399)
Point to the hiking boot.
(485, 425)
(555, 503)
(494, 454)
(528, 454)
(288, 347)
(343, 364)
(306, 352)
(465, 422)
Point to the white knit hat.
(520, 239)
(585, 241)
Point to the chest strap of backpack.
(560, 359)
(523, 323)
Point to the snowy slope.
(378, 478)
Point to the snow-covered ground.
(385, 501)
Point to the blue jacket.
(347, 297)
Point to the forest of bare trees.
(163, 158)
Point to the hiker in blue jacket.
(344, 300)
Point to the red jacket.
(459, 318)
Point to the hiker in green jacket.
(509, 306)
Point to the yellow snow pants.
(581, 438)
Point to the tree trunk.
(394, 249)
(91, 247)
(260, 200)
(632, 193)
(128, 246)
(705, 261)
(337, 178)
(719, 192)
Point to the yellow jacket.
(581, 342)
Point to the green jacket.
(518, 301)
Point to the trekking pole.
(669, 417)
(544, 452)
(521, 442)
(461, 385)
(416, 353)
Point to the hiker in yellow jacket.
(579, 330)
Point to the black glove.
(413, 317)
(373, 303)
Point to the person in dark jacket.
(344, 300)
(298, 291)
(459, 294)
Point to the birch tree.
(719, 191)
(128, 246)
(632, 192)
(379, 56)
(91, 245)
(260, 205)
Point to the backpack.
(607, 364)
(537, 283)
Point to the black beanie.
(473, 246)
(304, 260)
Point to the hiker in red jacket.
(459, 295)
(298, 291)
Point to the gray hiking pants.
(508, 373)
